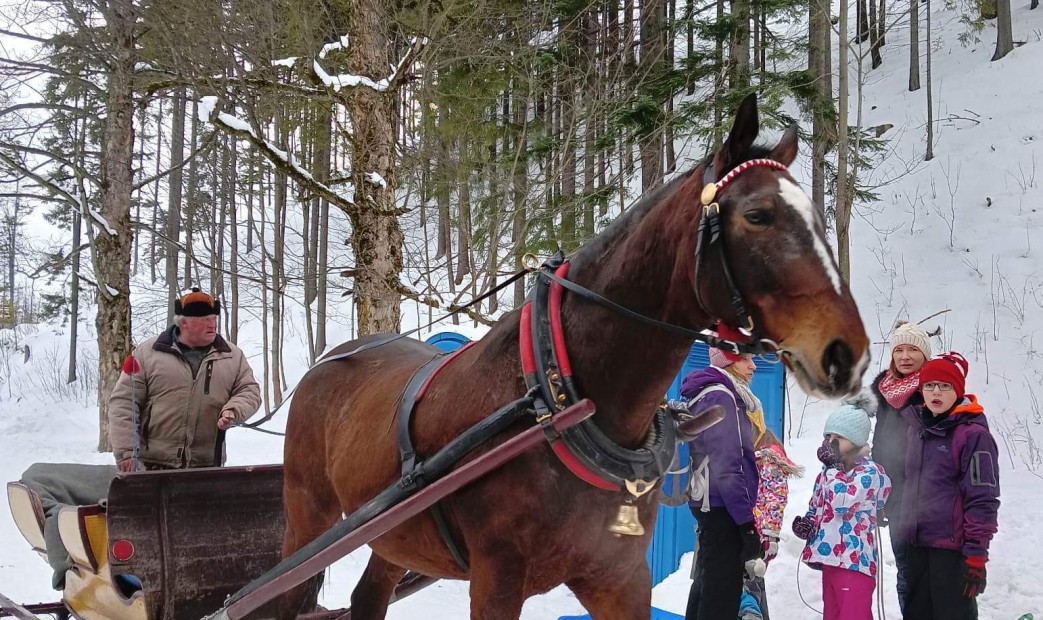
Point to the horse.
(532, 524)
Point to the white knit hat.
(912, 334)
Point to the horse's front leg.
(497, 586)
(619, 595)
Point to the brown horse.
(532, 524)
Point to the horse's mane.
(595, 247)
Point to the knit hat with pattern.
(912, 334)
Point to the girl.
(897, 389)
(774, 469)
(951, 496)
(839, 525)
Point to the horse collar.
(584, 449)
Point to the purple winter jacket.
(952, 484)
(728, 444)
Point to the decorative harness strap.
(413, 469)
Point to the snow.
(285, 62)
(376, 179)
(205, 108)
(347, 80)
(112, 291)
(953, 233)
(100, 219)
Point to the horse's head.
(781, 265)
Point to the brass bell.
(626, 522)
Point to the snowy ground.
(955, 233)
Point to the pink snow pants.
(846, 594)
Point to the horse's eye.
(758, 217)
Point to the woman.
(896, 389)
(952, 496)
(724, 484)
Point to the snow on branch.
(240, 128)
(348, 80)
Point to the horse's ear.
(785, 152)
(740, 139)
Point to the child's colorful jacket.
(844, 506)
(774, 469)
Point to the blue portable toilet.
(448, 341)
(675, 527)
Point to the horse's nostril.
(838, 361)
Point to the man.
(179, 392)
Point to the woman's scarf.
(754, 408)
(897, 390)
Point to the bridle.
(710, 236)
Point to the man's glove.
(973, 575)
(771, 547)
(882, 520)
(829, 455)
(804, 528)
(751, 542)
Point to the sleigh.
(173, 545)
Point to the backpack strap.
(699, 481)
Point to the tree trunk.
(278, 274)
(881, 24)
(821, 122)
(74, 299)
(929, 155)
(232, 309)
(863, 21)
(519, 192)
(376, 236)
(173, 228)
(874, 39)
(112, 247)
(652, 56)
(844, 194)
(321, 231)
(1004, 33)
(914, 45)
(463, 214)
(192, 199)
(153, 254)
(739, 46)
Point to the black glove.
(829, 454)
(804, 528)
(882, 520)
(751, 542)
(973, 575)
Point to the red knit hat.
(948, 368)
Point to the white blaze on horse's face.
(796, 198)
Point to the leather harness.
(584, 449)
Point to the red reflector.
(122, 550)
